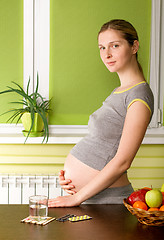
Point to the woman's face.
(115, 51)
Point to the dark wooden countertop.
(108, 222)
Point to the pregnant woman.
(95, 170)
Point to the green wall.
(11, 49)
(79, 81)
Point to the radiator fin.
(16, 189)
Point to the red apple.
(163, 198)
(138, 195)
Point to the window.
(157, 61)
(36, 51)
(11, 49)
(36, 58)
(155, 133)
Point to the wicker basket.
(154, 218)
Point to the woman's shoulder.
(142, 93)
(142, 89)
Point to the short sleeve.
(143, 94)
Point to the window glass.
(11, 49)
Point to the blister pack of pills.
(65, 218)
(79, 218)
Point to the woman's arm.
(136, 122)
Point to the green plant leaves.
(32, 103)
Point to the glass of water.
(38, 207)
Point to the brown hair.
(127, 30)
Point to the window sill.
(154, 136)
(12, 134)
(66, 134)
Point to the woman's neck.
(130, 77)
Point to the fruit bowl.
(153, 218)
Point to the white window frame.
(155, 132)
(37, 44)
(36, 59)
(156, 61)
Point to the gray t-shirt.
(106, 124)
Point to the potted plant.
(33, 112)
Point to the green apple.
(162, 188)
(154, 198)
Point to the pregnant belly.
(78, 172)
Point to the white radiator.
(16, 189)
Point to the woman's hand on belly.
(66, 183)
